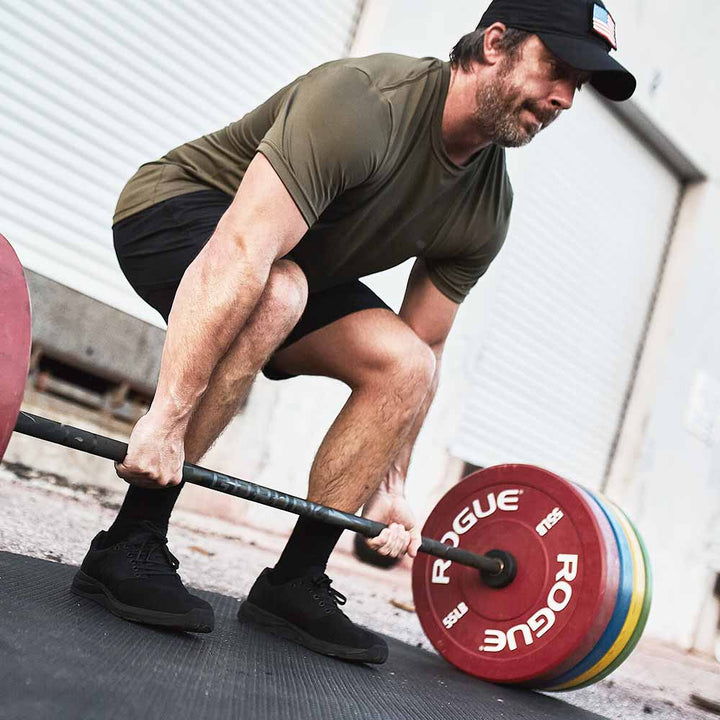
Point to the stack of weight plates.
(582, 594)
(632, 606)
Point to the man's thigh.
(328, 315)
(356, 344)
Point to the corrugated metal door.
(89, 91)
(561, 316)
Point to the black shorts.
(156, 246)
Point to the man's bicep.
(429, 312)
(263, 214)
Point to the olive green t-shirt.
(358, 144)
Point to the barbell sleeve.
(100, 446)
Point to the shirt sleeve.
(331, 134)
(456, 277)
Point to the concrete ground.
(50, 516)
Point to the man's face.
(528, 93)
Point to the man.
(250, 243)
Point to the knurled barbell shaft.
(100, 446)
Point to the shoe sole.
(279, 627)
(197, 620)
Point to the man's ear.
(493, 35)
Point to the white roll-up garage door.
(89, 91)
(562, 314)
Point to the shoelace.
(148, 562)
(322, 585)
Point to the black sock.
(140, 504)
(307, 550)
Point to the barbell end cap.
(507, 573)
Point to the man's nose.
(563, 95)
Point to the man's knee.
(286, 291)
(415, 363)
(405, 364)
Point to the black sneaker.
(136, 579)
(305, 610)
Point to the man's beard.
(498, 113)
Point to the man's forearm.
(214, 300)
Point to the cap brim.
(609, 77)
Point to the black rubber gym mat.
(63, 657)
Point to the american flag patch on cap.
(604, 25)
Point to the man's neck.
(460, 133)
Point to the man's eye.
(560, 72)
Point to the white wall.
(672, 49)
(89, 91)
(668, 467)
(667, 472)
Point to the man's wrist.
(172, 417)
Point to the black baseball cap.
(580, 32)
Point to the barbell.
(564, 585)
